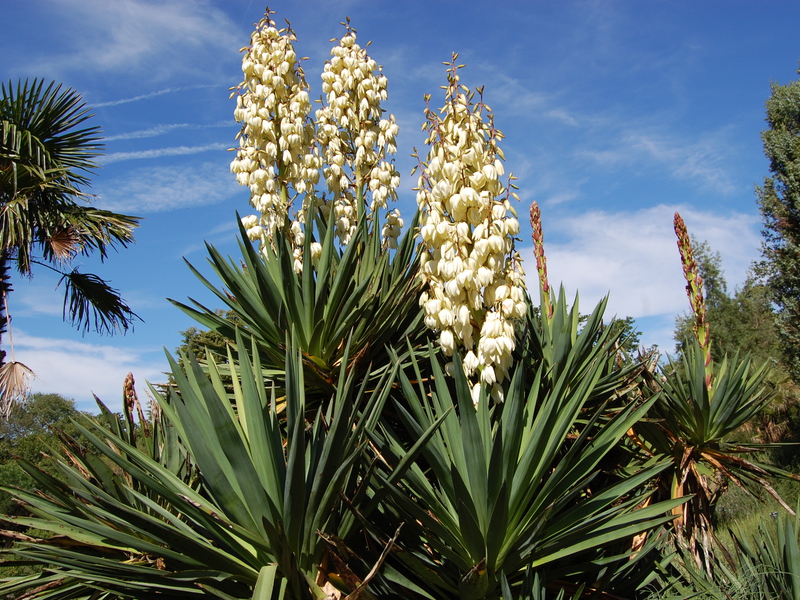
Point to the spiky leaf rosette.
(500, 489)
(127, 521)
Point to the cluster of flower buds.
(254, 231)
(474, 275)
(354, 137)
(391, 229)
(276, 157)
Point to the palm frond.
(62, 246)
(46, 156)
(52, 120)
(90, 303)
(14, 377)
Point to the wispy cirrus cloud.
(164, 129)
(158, 38)
(702, 158)
(515, 97)
(161, 152)
(39, 296)
(149, 95)
(161, 189)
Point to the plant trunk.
(5, 287)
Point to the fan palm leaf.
(47, 153)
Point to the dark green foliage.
(199, 342)
(29, 433)
(779, 201)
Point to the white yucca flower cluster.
(282, 150)
(355, 137)
(276, 153)
(475, 286)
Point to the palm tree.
(46, 157)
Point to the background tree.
(779, 201)
(198, 342)
(629, 335)
(46, 156)
(29, 433)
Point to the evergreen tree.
(779, 201)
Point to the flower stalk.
(355, 138)
(277, 158)
(694, 289)
(282, 150)
(541, 260)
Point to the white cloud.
(701, 159)
(77, 369)
(160, 189)
(634, 257)
(159, 38)
(160, 152)
(163, 129)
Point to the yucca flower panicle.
(694, 289)
(282, 151)
(277, 158)
(356, 140)
(475, 288)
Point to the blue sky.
(616, 114)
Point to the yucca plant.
(774, 556)
(557, 336)
(267, 497)
(699, 405)
(359, 295)
(500, 489)
(326, 264)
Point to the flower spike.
(541, 260)
(694, 289)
